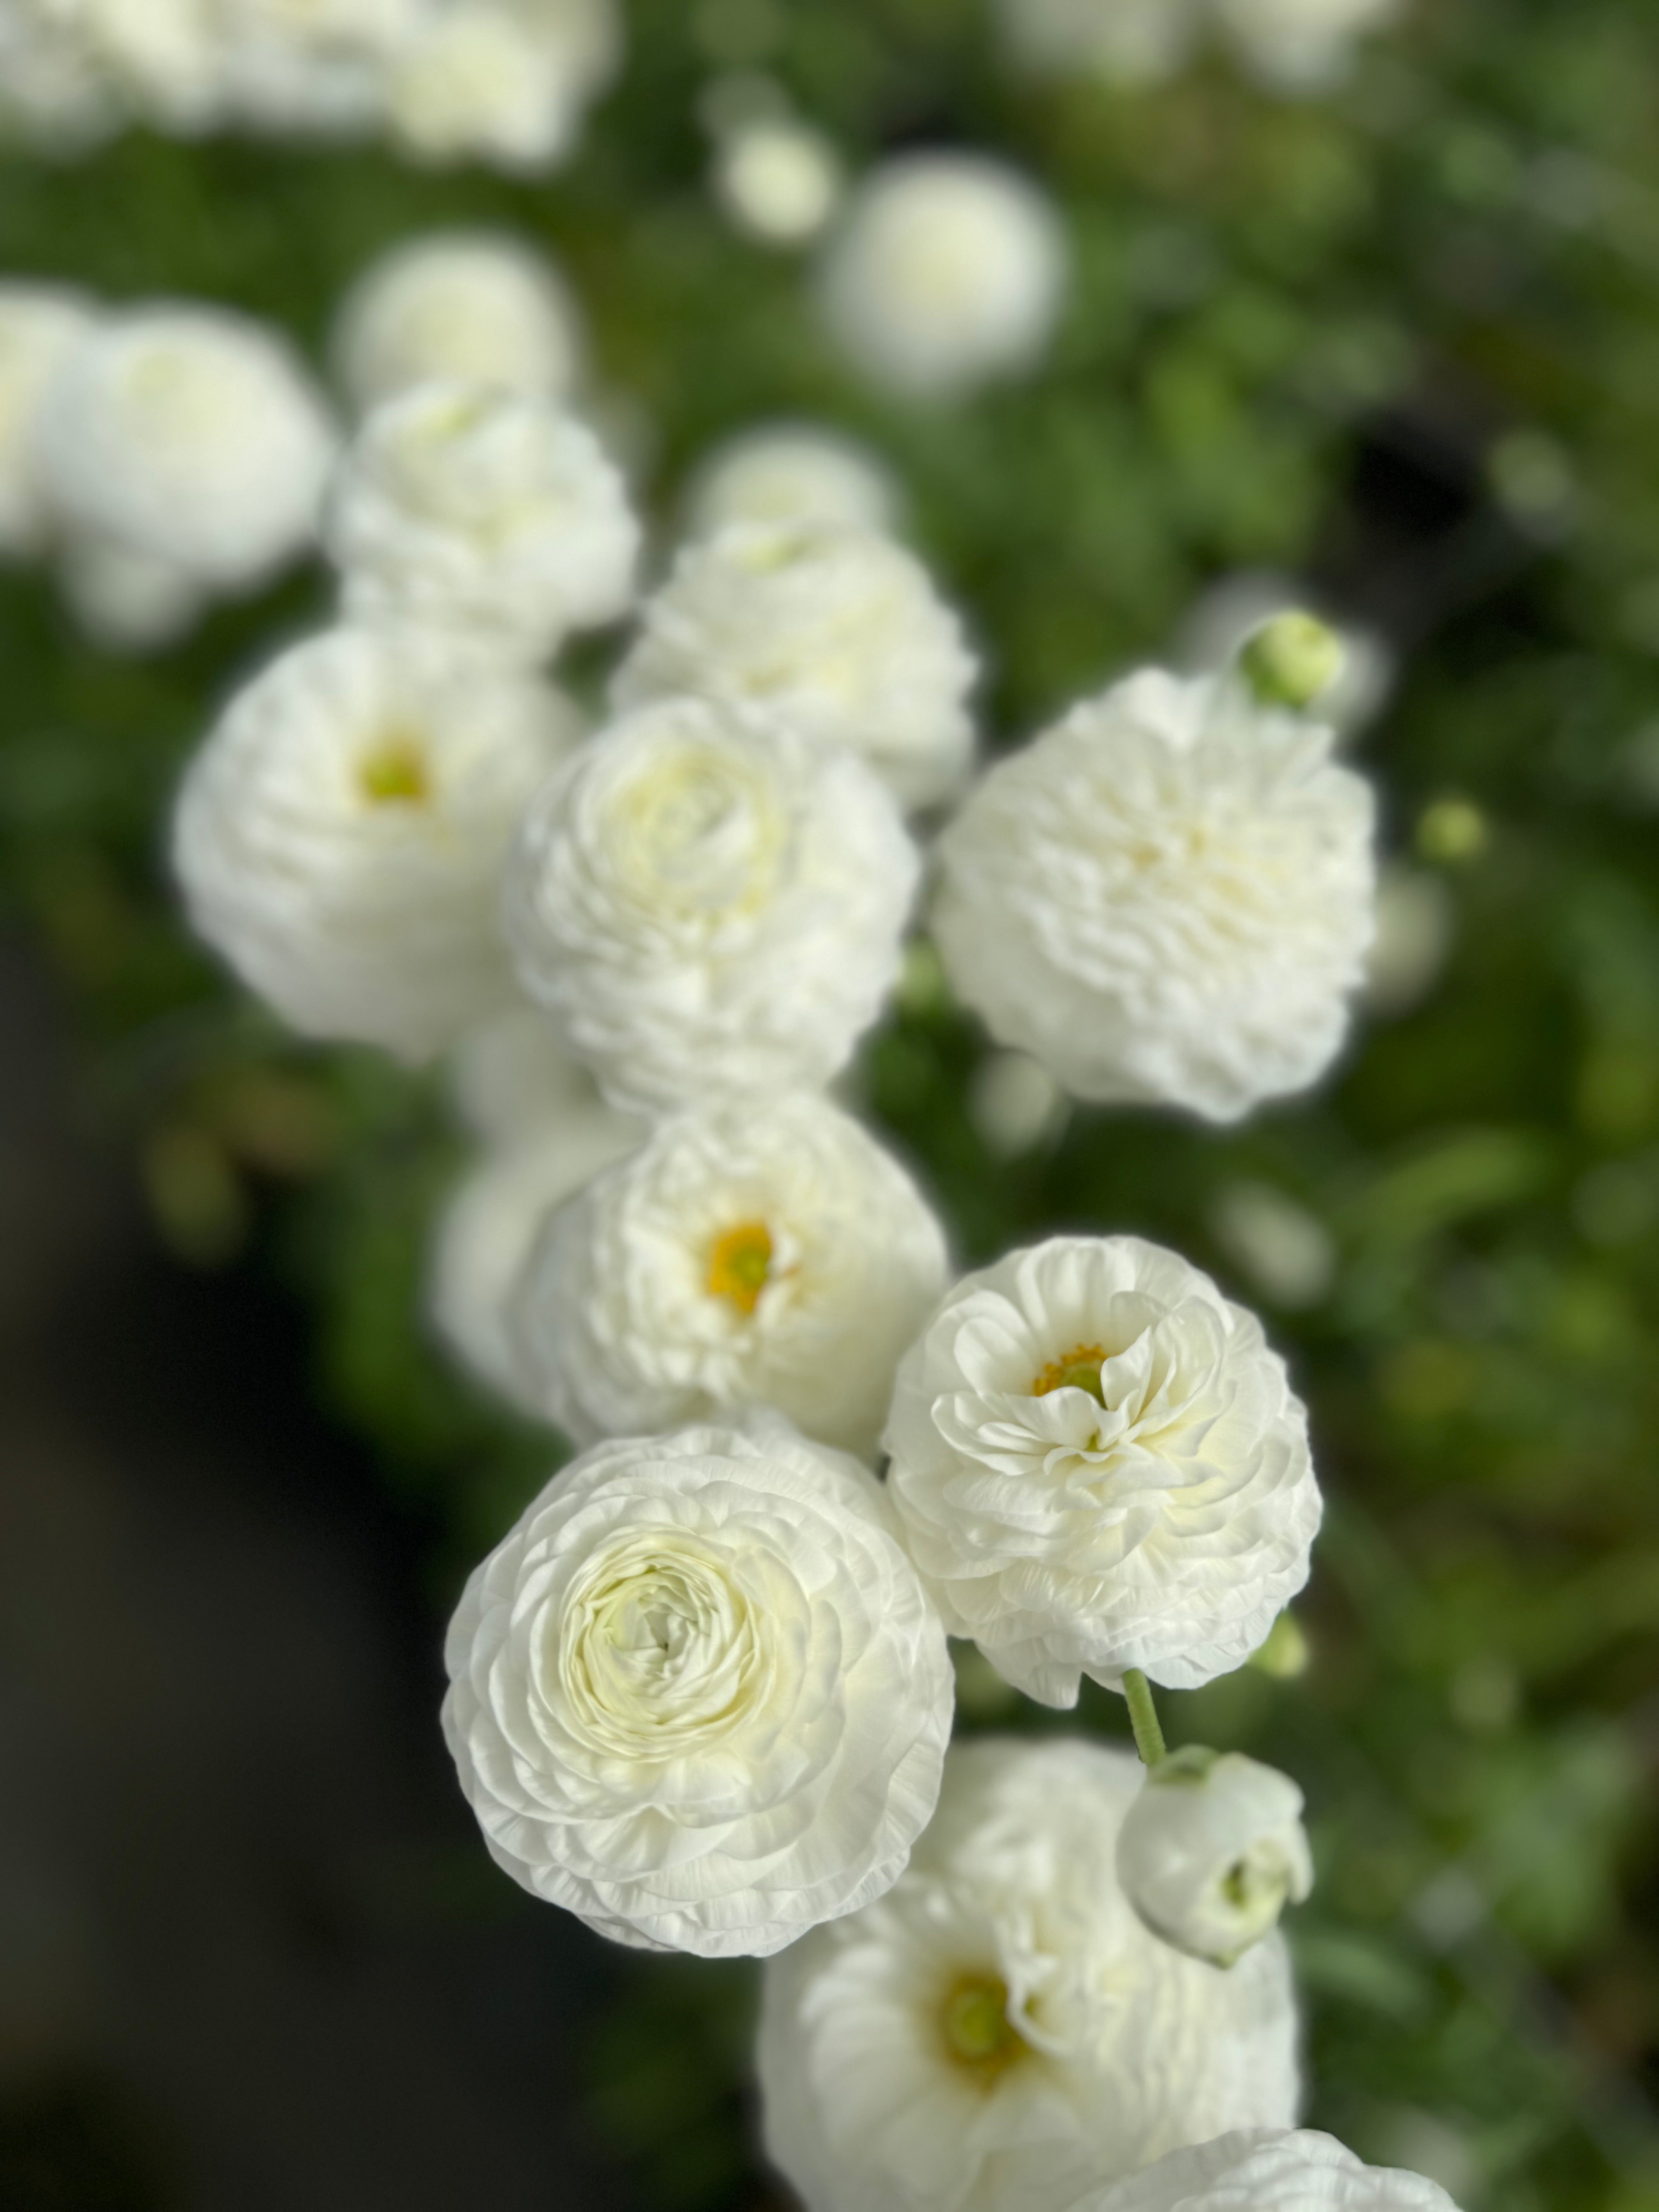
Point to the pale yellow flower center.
(395, 772)
(979, 2035)
(1076, 1369)
(740, 1265)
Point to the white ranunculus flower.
(709, 906)
(1124, 41)
(698, 1695)
(1100, 1466)
(792, 472)
(1000, 2031)
(128, 601)
(164, 55)
(769, 1254)
(39, 326)
(53, 88)
(485, 1232)
(1167, 898)
(483, 511)
(1211, 1850)
(1267, 2170)
(948, 270)
(312, 66)
(777, 179)
(837, 633)
(190, 435)
(341, 837)
(475, 83)
(458, 306)
(1301, 46)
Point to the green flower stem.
(1142, 1717)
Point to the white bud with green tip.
(1293, 661)
(1212, 1850)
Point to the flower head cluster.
(698, 1695)
(1167, 898)
(505, 81)
(1001, 2032)
(1100, 1467)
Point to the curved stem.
(1142, 1717)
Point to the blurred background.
(1398, 342)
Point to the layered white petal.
(698, 1695)
(709, 906)
(835, 632)
(1167, 898)
(340, 839)
(765, 1254)
(1262, 2170)
(1100, 1466)
(1000, 2031)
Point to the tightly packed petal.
(1211, 1849)
(767, 1255)
(1167, 898)
(1100, 1465)
(697, 1696)
(1262, 2170)
(1000, 2031)
(709, 906)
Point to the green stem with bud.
(1142, 1717)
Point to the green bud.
(1292, 660)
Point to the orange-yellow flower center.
(1076, 1369)
(395, 773)
(979, 2035)
(740, 1265)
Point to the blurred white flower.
(39, 325)
(500, 81)
(1100, 1465)
(792, 472)
(1001, 2032)
(1211, 1851)
(836, 634)
(52, 90)
(698, 1695)
(947, 270)
(1124, 41)
(190, 435)
(769, 1254)
(486, 1229)
(1287, 1252)
(1416, 927)
(1300, 46)
(510, 1076)
(1260, 2170)
(341, 837)
(1015, 1103)
(1225, 617)
(1167, 898)
(777, 179)
(163, 55)
(310, 66)
(473, 307)
(128, 601)
(709, 906)
(466, 508)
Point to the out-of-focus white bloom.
(481, 511)
(190, 435)
(1416, 925)
(1300, 46)
(1211, 1850)
(1167, 898)
(164, 55)
(473, 307)
(482, 82)
(312, 66)
(1100, 1465)
(39, 325)
(1287, 1253)
(1014, 1104)
(486, 1231)
(1000, 2031)
(341, 836)
(709, 905)
(792, 472)
(51, 87)
(128, 601)
(777, 179)
(1125, 41)
(836, 634)
(510, 1077)
(698, 1695)
(1261, 2170)
(1230, 611)
(948, 270)
(770, 1255)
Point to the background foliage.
(1405, 342)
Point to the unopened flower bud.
(1211, 1850)
(1292, 660)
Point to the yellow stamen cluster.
(395, 774)
(740, 1265)
(979, 2035)
(1076, 1369)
